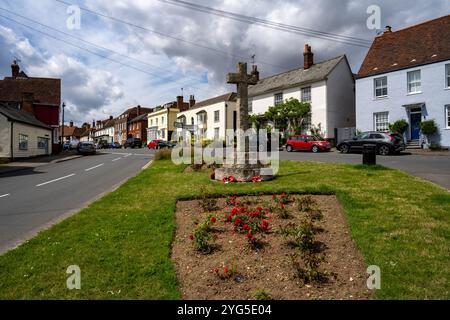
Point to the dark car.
(165, 145)
(386, 143)
(87, 147)
(115, 145)
(306, 142)
(133, 143)
(103, 144)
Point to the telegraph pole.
(62, 127)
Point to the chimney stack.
(180, 103)
(71, 124)
(191, 101)
(99, 124)
(255, 71)
(308, 57)
(388, 30)
(93, 123)
(15, 69)
(111, 117)
(138, 110)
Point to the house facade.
(104, 130)
(161, 121)
(209, 119)
(22, 135)
(406, 75)
(137, 127)
(328, 86)
(71, 134)
(40, 97)
(121, 133)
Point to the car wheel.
(344, 148)
(384, 150)
(315, 149)
(289, 148)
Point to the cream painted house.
(22, 135)
(328, 86)
(210, 118)
(161, 121)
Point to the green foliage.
(429, 127)
(202, 237)
(306, 203)
(307, 266)
(302, 236)
(262, 295)
(399, 126)
(289, 115)
(163, 154)
(207, 203)
(435, 147)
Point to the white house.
(22, 135)
(406, 75)
(209, 119)
(105, 130)
(328, 86)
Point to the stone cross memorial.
(242, 170)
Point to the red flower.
(283, 206)
(226, 270)
(265, 225)
(237, 221)
(249, 235)
(216, 270)
(213, 219)
(259, 209)
(245, 227)
(191, 237)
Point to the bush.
(262, 295)
(164, 154)
(399, 126)
(435, 147)
(429, 127)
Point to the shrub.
(306, 204)
(201, 238)
(429, 127)
(399, 126)
(435, 147)
(262, 295)
(164, 154)
(307, 267)
(302, 237)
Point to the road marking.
(4, 195)
(65, 177)
(129, 154)
(116, 159)
(94, 167)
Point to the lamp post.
(62, 126)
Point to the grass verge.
(122, 241)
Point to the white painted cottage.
(328, 86)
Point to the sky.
(147, 52)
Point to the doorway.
(415, 121)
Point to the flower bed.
(280, 247)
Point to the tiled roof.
(44, 90)
(134, 110)
(21, 116)
(71, 131)
(425, 43)
(230, 96)
(295, 78)
(142, 117)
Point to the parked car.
(133, 143)
(166, 145)
(103, 144)
(87, 147)
(115, 145)
(153, 144)
(386, 143)
(306, 142)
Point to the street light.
(62, 127)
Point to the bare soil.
(269, 268)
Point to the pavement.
(429, 167)
(34, 198)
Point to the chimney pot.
(71, 123)
(138, 110)
(180, 102)
(110, 117)
(255, 71)
(388, 29)
(191, 101)
(308, 56)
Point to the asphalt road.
(31, 200)
(432, 168)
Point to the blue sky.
(147, 68)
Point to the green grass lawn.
(122, 241)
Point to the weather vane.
(253, 58)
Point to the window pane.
(216, 116)
(381, 121)
(278, 98)
(250, 105)
(306, 94)
(380, 85)
(448, 116)
(414, 81)
(447, 69)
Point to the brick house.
(121, 133)
(72, 134)
(137, 127)
(39, 96)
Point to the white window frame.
(380, 87)
(306, 94)
(416, 82)
(23, 142)
(216, 116)
(447, 76)
(278, 98)
(216, 133)
(380, 126)
(447, 116)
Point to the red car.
(153, 144)
(306, 142)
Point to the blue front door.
(416, 119)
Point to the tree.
(429, 128)
(289, 115)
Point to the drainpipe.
(12, 140)
(226, 118)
